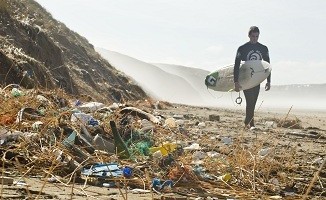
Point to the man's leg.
(251, 99)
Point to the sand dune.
(195, 77)
(155, 81)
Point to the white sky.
(205, 33)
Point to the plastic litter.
(146, 125)
(226, 140)
(109, 185)
(226, 177)
(165, 149)
(36, 125)
(157, 185)
(78, 103)
(42, 99)
(81, 117)
(143, 147)
(91, 106)
(93, 122)
(201, 171)
(127, 172)
(102, 170)
(213, 154)
(121, 147)
(198, 155)
(15, 92)
(194, 146)
(170, 122)
(274, 181)
(139, 191)
(264, 152)
(102, 144)
(271, 124)
(201, 124)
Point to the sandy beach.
(300, 149)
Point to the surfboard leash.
(238, 100)
(213, 95)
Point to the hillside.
(157, 82)
(39, 52)
(193, 76)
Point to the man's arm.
(267, 59)
(236, 70)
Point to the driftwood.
(314, 179)
(308, 135)
(142, 114)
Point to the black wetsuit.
(250, 51)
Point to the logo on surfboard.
(210, 81)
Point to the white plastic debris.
(202, 124)
(263, 152)
(318, 160)
(54, 179)
(170, 122)
(198, 155)
(42, 99)
(146, 125)
(253, 128)
(157, 155)
(179, 122)
(139, 191)
(270, 124)
(193, 146)
(82, 117)
(20, 183)
(109, 185)
(213, 137)
(213, 154)
(275, 197)
(16, 92)
(274, 181)
(36, 125)
(226, 140)
(91, 106)
(178, 116)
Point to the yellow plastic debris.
(165, 148)
(226, 177)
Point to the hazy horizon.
(185, 85)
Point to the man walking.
(251, 50)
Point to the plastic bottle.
(120, 146)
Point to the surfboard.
(251, 74)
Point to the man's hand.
(237, 86)
(267, 86)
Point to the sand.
(301, 141)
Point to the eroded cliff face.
(38, 51)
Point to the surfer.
(251, 50)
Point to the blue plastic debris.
(167, 183)
(78, 103)
(70, 140)
(127, 172)
(156, 184)
(103, 170)
(93, 122)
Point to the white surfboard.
(251, 74)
